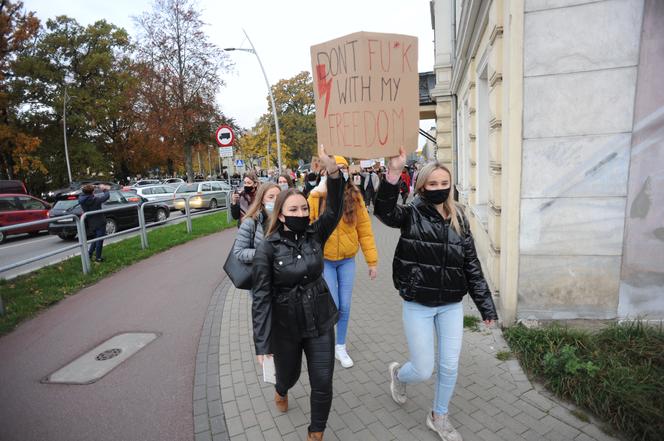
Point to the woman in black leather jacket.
(435, 264)
(293, 311)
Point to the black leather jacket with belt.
(288, 286)
(433, 264)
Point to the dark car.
(11, 186)
(115, 220)
(54, 195)
(19, 209)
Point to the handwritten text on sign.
(366, 89)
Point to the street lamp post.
(64, 125)
(269, 89)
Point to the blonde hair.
(257, 205)
(449, 206)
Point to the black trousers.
(320, 364)
(369, 195)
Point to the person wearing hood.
(95, 223)
(354, 231)
(293, 311)
(435, 265)
(240, 202)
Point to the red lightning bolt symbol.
(324, 86)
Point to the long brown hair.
(257, 205)
(275, 223)
(449, 205)
(352, 201)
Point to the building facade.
(551, 115)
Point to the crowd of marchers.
(298, 245)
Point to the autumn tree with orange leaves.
(18, 158)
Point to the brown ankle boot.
(281, 402)
(315, 436)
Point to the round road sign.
(225, 136)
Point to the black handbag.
(238, 271)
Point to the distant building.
(551, 115)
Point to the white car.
(208, 194)
(163, 193)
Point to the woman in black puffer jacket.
(293, 310)
(435, 264)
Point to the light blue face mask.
(269, 206)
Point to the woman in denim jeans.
(354, 231)
(435, 264)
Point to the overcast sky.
(281, 30)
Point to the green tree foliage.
(87, 73)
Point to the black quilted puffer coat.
(433, 265)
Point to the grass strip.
(617, 373)
(471, 322)
(27, 295)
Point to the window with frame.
(8, 204)
(29, 203)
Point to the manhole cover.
(99, 361)
(107, 355)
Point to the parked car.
(115, 220)
(144, 182)
(161, 192)
(173, 181)
(19, 209)
(54, 195)
(12, 187)
(208, 195)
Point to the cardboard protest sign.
(354, 169)
(366, 88)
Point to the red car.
(21, 208)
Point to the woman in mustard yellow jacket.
(354, 231)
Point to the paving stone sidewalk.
(494, 400)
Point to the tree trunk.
(188, 162)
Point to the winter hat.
(341, 160)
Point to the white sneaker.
(442, 426)
(397, 388)
(341, 355)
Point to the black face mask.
(249, 188)
(297, 224)
(436, 196)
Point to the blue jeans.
(96, 247)
(340, 276)
(419, 323)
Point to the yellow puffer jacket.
(347, 238)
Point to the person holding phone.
(435, 265)
(293, 311)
